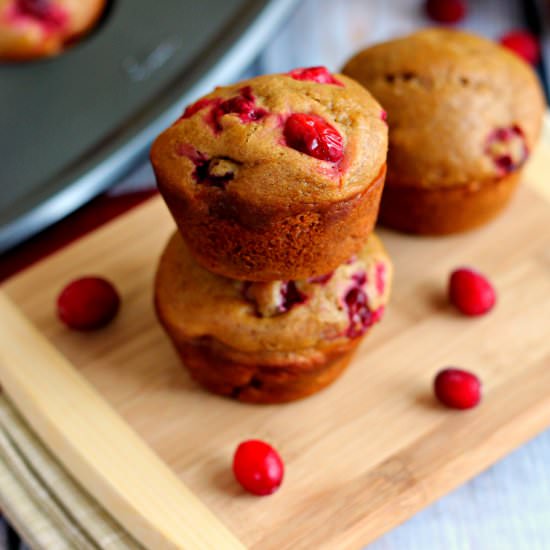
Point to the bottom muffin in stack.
(269, 342)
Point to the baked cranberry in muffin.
(30, 29)
(464, 114)
(275, 341)
(275, 178)
(315, 74)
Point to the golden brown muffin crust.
(238, 240)
(445, 210)
(266, 171)
(446, 93)
(210, 364)
(194, 303)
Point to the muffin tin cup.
(446, 210)
(249, 242)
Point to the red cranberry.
(244, 105)
(187, 150)
(200, 160)
(523, 44)
(40, 9)
(377, 314)
(291, 295)
(258, 467)
(508, 148)
(457, 389)
(49, 14)
(446, 11)
(471, 292)
(360, 278)
(314, 136)
(88, 303)
(384, 116)
(315, 74)
(360, 316)
(380, 277)
(210, 105)
(190, 110)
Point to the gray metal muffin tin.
(72, 125)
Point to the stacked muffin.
(274, 274)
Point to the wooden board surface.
(374, 448)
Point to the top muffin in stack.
(275, 178)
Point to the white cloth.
(44, 503)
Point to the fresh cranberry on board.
(258, 467)
(446, 11)
(88, 303)
(524, 44)
(457, 388)
(471, 292)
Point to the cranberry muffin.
(269, 342)
(31, 29)
(275, 178)
(464, 115)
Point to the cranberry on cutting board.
(258, 467)
(471, 292)
(457, 388)
(88, 303)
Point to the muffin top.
(35, 28)
(275, 316)
(302, 137)
(461, 109)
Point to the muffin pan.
(74, 124)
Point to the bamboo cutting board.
(361, 456)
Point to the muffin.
(31, 29)
(275, 178)
(464, 114)
(269, 342)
